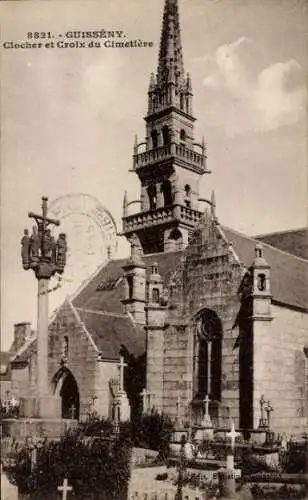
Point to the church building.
(198, 311)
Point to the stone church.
(203, 311)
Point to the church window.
(154, 136)
(155, 295)
(261, 282)
(152, 196)
(166, 135)
(130, 286)
(183, 136)
(187, 203)
(167, 193)
(187, 190)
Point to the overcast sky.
(69, 115)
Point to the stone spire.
(170, 60)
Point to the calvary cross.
(65, 488)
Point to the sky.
(69, 116)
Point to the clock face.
(91, 236)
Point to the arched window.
(261, 282)
(130, 287)
(155, 295)
(166, 134)
(187, 190)
(208, 355)
(167, 193)
(152, 196)
(182, 135)
(154, 136)
(181, 102)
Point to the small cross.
(72, 411)
(232, 435)
(33, 458)
(144, 395)
(65, 488)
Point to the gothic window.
(261, 282)
(167, 193)
(65, 346)
(155, 295)
(130, 286)
(152, 196)
(183, 136)
(166, 135)
(154, 136)
(208, 355)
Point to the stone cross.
(64, 488)
(232, 435)
(72, 412)
(121, 367)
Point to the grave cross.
(121, 367)
(232, 435)
(64, 488)
(72, 412)
(33, 457)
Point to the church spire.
(171, 87)
(170, 60)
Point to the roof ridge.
(102, 313)
(251, 238)
(284, 231)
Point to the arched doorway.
(66, 387)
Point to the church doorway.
(65, 386)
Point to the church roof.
(289, 274)
(111, 331)
(105, 291)
(294, 241)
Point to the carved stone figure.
(34, 244)
(48, 243)
(25, 250)
(61, 250)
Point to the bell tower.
(169, 163)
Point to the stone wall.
(281, 370)
(104, 373)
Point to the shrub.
(295, 459)
(153, 431)
(96, 468)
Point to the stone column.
(42, 338)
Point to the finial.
(136, 144)
(152, 82)
(213, 205)
(188, 83)
(125, 204)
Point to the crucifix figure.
(65, 489)
(40, 254)
(121, 367)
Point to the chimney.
(22, 332)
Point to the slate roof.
(110, 300)
(294, 241)
(112, 331)
(289, 274)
